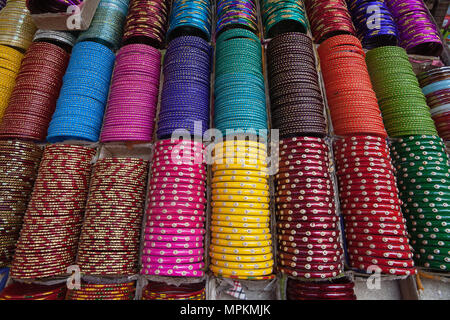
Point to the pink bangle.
(176, 192)
(174, 273)
(172, 180)
(177, 205)
(173, 252)
(195, 199)
(176, 266)
(157, 166)
(173, 245)
(187, 187)
(180, 142)
(162, 161)
(192, 159)
(174, 224)
(175, 231)
(170, 238)
(171, 260)
(179, 174)
(183, 211)
(175, 218)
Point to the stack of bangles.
(283, 16)
(308, 226)
(375, 229)
(133, 97)
(190, 17)
(33, 99)
(162, 291)
(52, 223)
(109, 241)
(339, 289)
(33, 291)
(417, 29)
(146, 22)
(374, 23)
(104, 291)
(241, 242)
(63, 39)
(423, 173)
(351, 100)
(236, 14)
(329, 18)
(435, 84)
(18, 169)
(295, 95)
(10, 60)
(174, 232)
(107, 24)
(403, 105)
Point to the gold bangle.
(238, 166)
(246, 205)
(243, 244)
(240, 185)
(237, 198)
(240, 230)
(243, 218)
(249, 173)
(240, 192)
(240, 250)
(241, 237)
(242, 265)
(241, 211)
(241, 258)
(220, 271)
(233, 224)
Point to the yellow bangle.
(240, 154)
(243, 218)
(220, 271)
(237, 166)
(233, 224)
(241, 237)
(241, 258)
(249, 173)
(240, 162)
(244, 244)
(238, 179)
(242, 265)
(240, 250)
(240, 230)
(240, 192)
(241, 143)
(241, 211)
(240, 185)
(232, 197)
(244, 205)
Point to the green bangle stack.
(283, 16)
(423, 173)
(403, 105)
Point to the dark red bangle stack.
(351, 100)
(52, 223)
(339, 289)
(33, 291)
(308, 226)
(103, 291)
(109, 242)
(33, 99)
(146, 22)
(329, 18)
(374, 225)
(296, 99)
(162, 291)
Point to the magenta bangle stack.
(133, 96)
(174, 232)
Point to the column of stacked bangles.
(174, 232)
(339, 289)
(241, 242)
(161, 291)
(375, 229)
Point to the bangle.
(247, 205)
(241, 185)
(247, 192)
(238, 243)
(238, 272)
(233, 224)
(240, 230)
(242, 265)
(241, 258)
(240, 198)
(236, 250)
(239, 218)
(241, 237)
(241, 211)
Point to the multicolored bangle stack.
(236, 14)
(351, 100)
(185, 94)
(308, 226)
(295, 96)
(161, 291)
(18, 169)
(241, 243)
(33, 99)
(10, 61)
(283, 16)
(52, 223)
(109, 241)
(329, 18)
(146, 22)
(104, 291)
(107, 24)
(239, 91)
(16, 26)
(375, 229)
(374, 23)
(133, 96)
(418, 33)
(190, 18)
(32, 291)
(82, 99)
(423, 172)
(403, 105)
(174, 233)
(435, 84)
(340, 289)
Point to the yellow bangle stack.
(10, 60)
